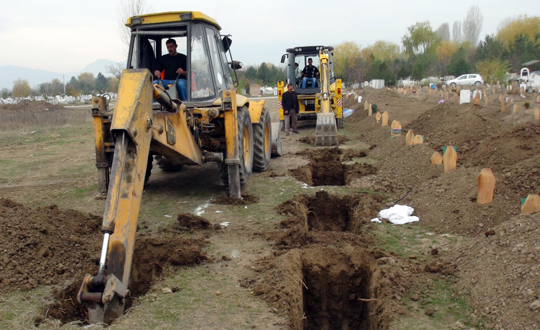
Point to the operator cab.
(197, 37)
(301, 55)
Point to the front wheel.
(262, 142)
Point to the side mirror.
(283, 57)
(226, 42)
(236, 65)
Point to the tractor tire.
(339, 123)
(166, 165)
(262, 142)
(245, 137)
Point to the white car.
(466, 80)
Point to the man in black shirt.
(291, 107)
(174, 66)
(310, 72)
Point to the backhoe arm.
(326, 129)
(132, 128)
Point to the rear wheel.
(262, 142)
(245, 149)
(477, 84)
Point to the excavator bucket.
(326, 130)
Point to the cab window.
(202, 86)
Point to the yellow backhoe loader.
(320, 99)
(211, 124)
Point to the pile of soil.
(244, 200)
(454, 125)
(506, 148)
(48, 245)
(45, 245)
(501, 273)
(447, 204)
(403, 167)
(310, 139)
(191, 221)
(26, 105)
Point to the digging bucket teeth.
(326, 130)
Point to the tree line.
(85, 84)
(426, 51)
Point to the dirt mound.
(501, 271)
(447, 204)
(507, 148)
(403, 167)
(26, 105)
(310, 139)
(326, 168)
(152, 258)
(191, 221)
(522, 178)
(45, 245)
(454, 125)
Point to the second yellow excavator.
(320, 98)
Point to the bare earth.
(300, 251)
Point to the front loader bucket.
(326, 130)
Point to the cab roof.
(308, 49)
(170, 17)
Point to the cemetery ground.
(300, 250)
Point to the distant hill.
(9, 73)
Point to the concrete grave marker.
(370, 111)
(537, 113)
(436, 158)
(378, 116)
(515, 109)
(418, 139)
(476, 98)
(531, 204)
(503, 104)
(395, 128)
(450, 159)
(465, 96)
(385, 118)
(486, 186)
(409, 138)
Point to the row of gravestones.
(486, 179)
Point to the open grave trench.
(152, 258)
(330, 279)
(331, 167)
(329, 287)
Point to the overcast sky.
(66, 35)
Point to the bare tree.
(116, 69)
(127, 9)
(472, 25)
(443, 31)
(456, 32)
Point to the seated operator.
(310, 72)
(175, 65)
